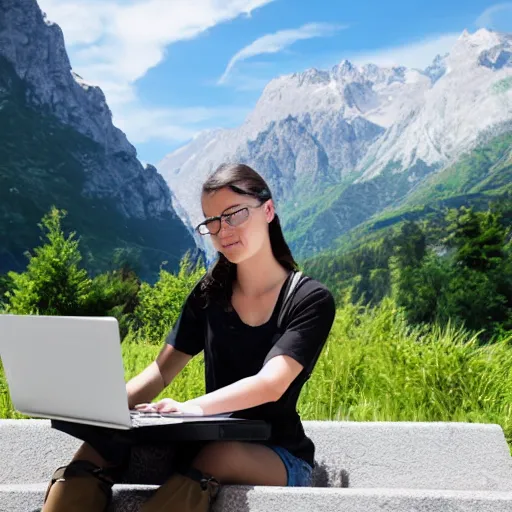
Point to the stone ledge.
(127, 498)
(413, 455)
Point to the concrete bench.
(360, 467)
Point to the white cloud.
(113, 43)
(274, 43)
(82, 21)
(418, 54)
(145, 124)
(498, 17)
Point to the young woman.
(253, 369)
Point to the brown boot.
(189, 492)
(78, 487)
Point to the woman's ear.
(269, 211)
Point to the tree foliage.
(53, 283)
(160, 305)
(454, 267)
(470, 285)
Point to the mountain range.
(339, 147)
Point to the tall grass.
(375, 367)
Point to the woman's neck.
(260, 274)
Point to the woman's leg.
(82, 485)
(87, 452)
(233, 462)
(217, 463)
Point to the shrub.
(160, 305)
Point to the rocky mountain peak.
(35, 47)
(469, 48)
(345, 69)
(437, 69)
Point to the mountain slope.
(480, 177)
(59, 147)
(487, 169)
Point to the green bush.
(5, 286)
(53, 283)
(113, 294)
(470, 285)
(160, 305)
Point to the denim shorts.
(298, 470)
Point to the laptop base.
(218, 430)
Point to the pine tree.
(53, 283)
(479, 237)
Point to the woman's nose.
(225, 228)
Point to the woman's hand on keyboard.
(167, 405)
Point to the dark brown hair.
(216, 285)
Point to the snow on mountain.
(455, 110)
(369, 91)
(437, 69)
(315, 122)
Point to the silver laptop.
(71, 369)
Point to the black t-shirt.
(234, 350)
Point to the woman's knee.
(241, 463)
(88, 453)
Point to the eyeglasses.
(212, 225)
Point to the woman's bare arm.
(268, 385)
(145, 386)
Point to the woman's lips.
(229, 245)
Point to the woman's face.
(250, 232)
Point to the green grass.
(376, 368)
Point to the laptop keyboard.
(144, 414)
(141, 418)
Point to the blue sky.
(171, 68)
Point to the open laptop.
(71, 369)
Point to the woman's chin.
(234, 257)
(232, 252)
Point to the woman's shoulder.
(312, 306)
(310, 284)
(312, 290)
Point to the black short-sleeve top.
(234, 350)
